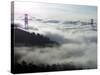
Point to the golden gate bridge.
(26, 19)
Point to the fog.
(78, 46)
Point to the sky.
(55, 11)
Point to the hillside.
(24, 38)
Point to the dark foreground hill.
(24, 38)
(33, 68)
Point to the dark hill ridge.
(24, 38)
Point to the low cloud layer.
(78, 47)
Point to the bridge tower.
(92, 22)
(26, 21)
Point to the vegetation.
(29, 68)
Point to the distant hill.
(24, 38)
